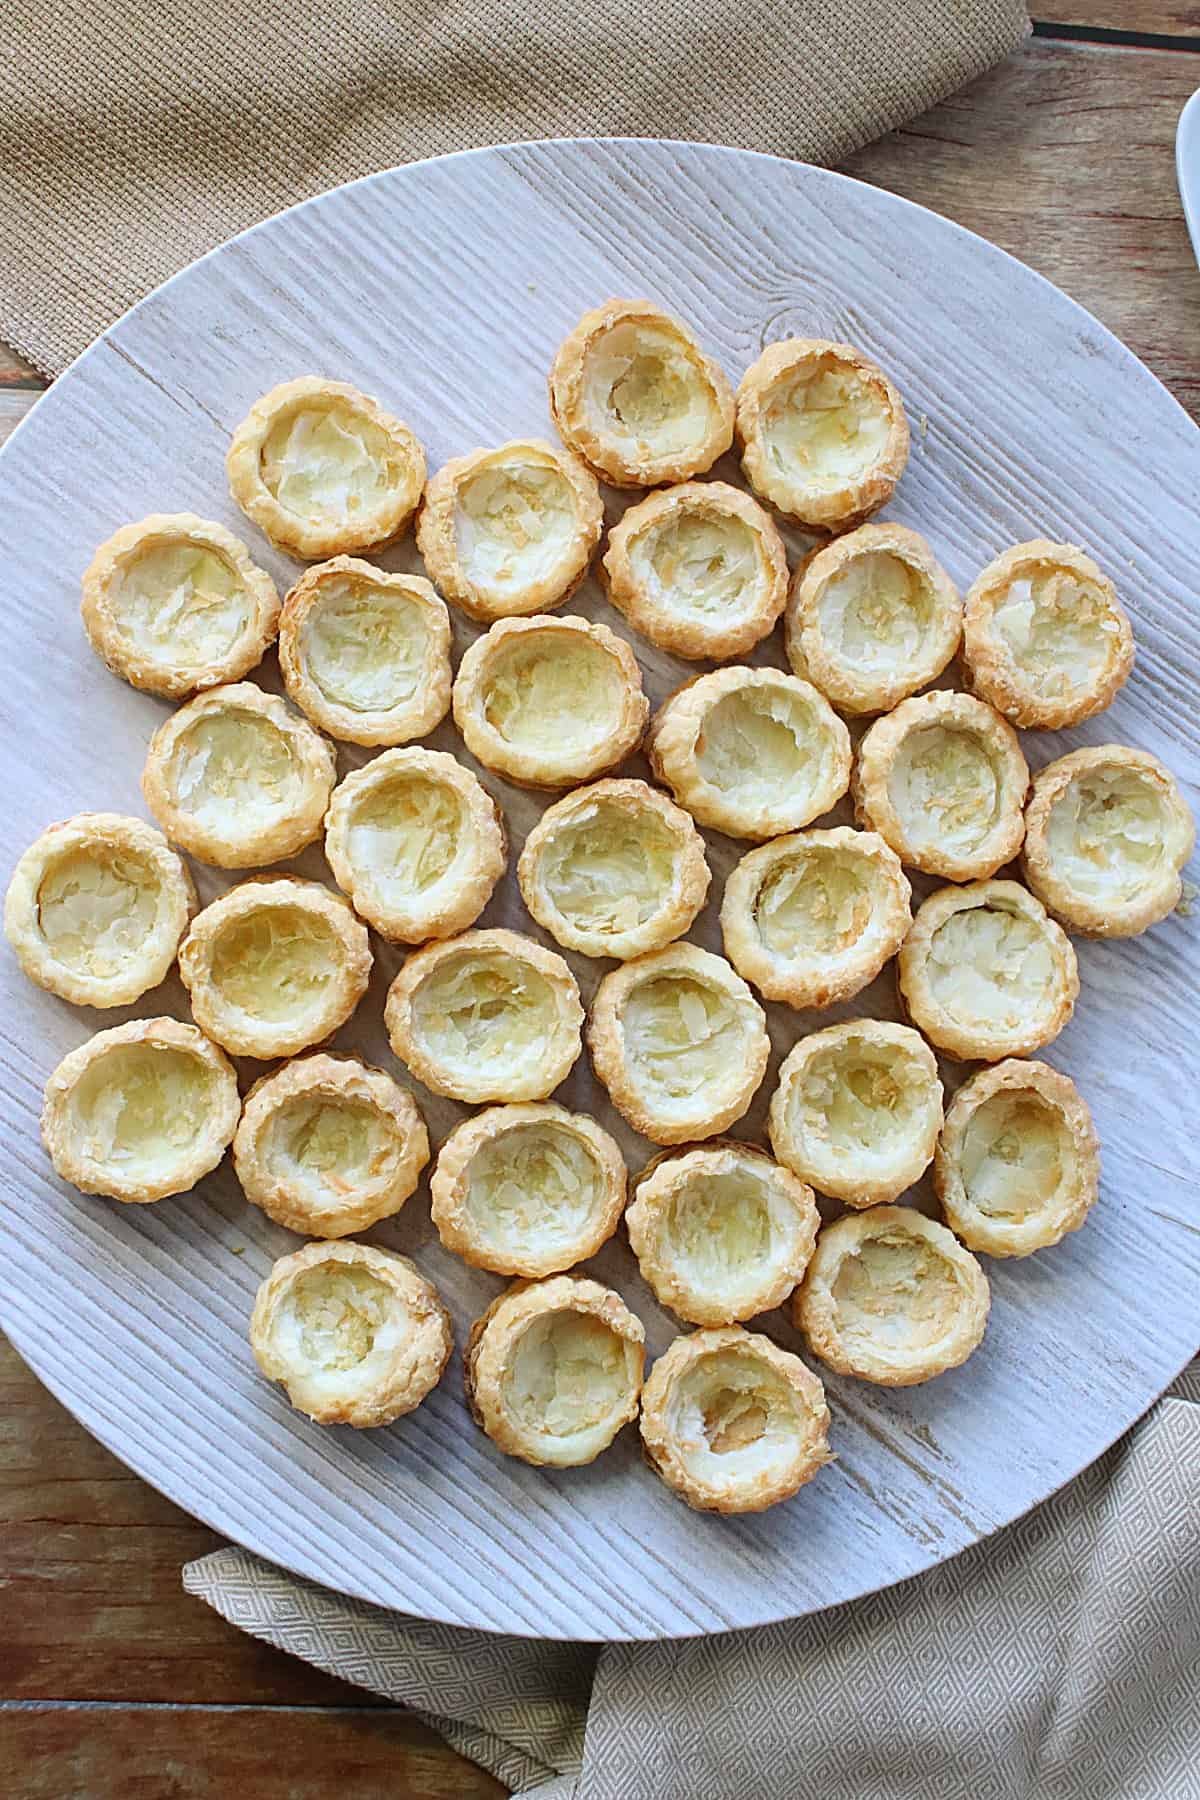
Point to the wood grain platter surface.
(444, 289)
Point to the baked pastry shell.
(76, 1158)
(456, 899)
(644, 808)
(815, 977)
(823, 508)
(239, 843)
(953, 1031)
(408, 718)
(176, 678)
(488, 1079)
(313, 539)
(712, 1107)
(99, 836)
(817, 1310)
(344, 947)
(637, 465)
(680, 724)
(994, 673)
(437, 531)
(674, 1424)
(455, 1217)
(814, 656)
(492, 1348)
(879, 759)
(396, 1382)
(676, 628)
(1066, 1207)
(355, 1203)
(1092, 915)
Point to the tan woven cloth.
(136, 134)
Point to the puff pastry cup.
(857, 1110)
(510, 531)
(236, 779)
(733, 1423)
(328, 1145)
(274, 965)
(986, 973)
(553, 1369)
(699, 569)
(322, 470)
(615, 869)
(356, 1336)
(680, 1043)
(96, 907)
(417, 843)
(751, 752)
(490, 1015)
(822, 432)
(721, 1232)
(812, 917)
(1018, 1161)
(174, 604)
(943, 781)
(1107, 834)
(529, 1189)
(633, 394)
(549, 702)
(871, 618)
(366, 654)
(141, 1111)
(891, 1297)
(1045, 639)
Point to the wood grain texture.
(1165, 17)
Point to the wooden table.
(112, 1680)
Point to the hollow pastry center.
(876, 611)
(235, 768)
(1059, 630)
(719, 1230)
(703, 565)
(609, 869)
(276, 963)
(824, 426)
(536, 1184)
(989, 964)
(733, 1413)
(327, 463)
(336, 1314)
(474, 1010)
(1016, 1154)
(181, 603)
(514, 523)
(328, 1146)
(945, 786)
(568, 1374)
(406, 833)
(1110, 832)
(554, 692)
(682, 1036)
(642, 387)
(97, 907)
(763, 741)
(856, 1099)
(895, 1293)
(814, 903)
(365, 648)
(139, 1108)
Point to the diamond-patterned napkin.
(1056, 1661)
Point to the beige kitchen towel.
(136, 134)
(1056, 1661)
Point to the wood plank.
(192, 1753)
(1166, 17)
(1024, 156)
(16, 372)
(14, 404)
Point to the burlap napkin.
(136, 134)
(1056, 1661)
